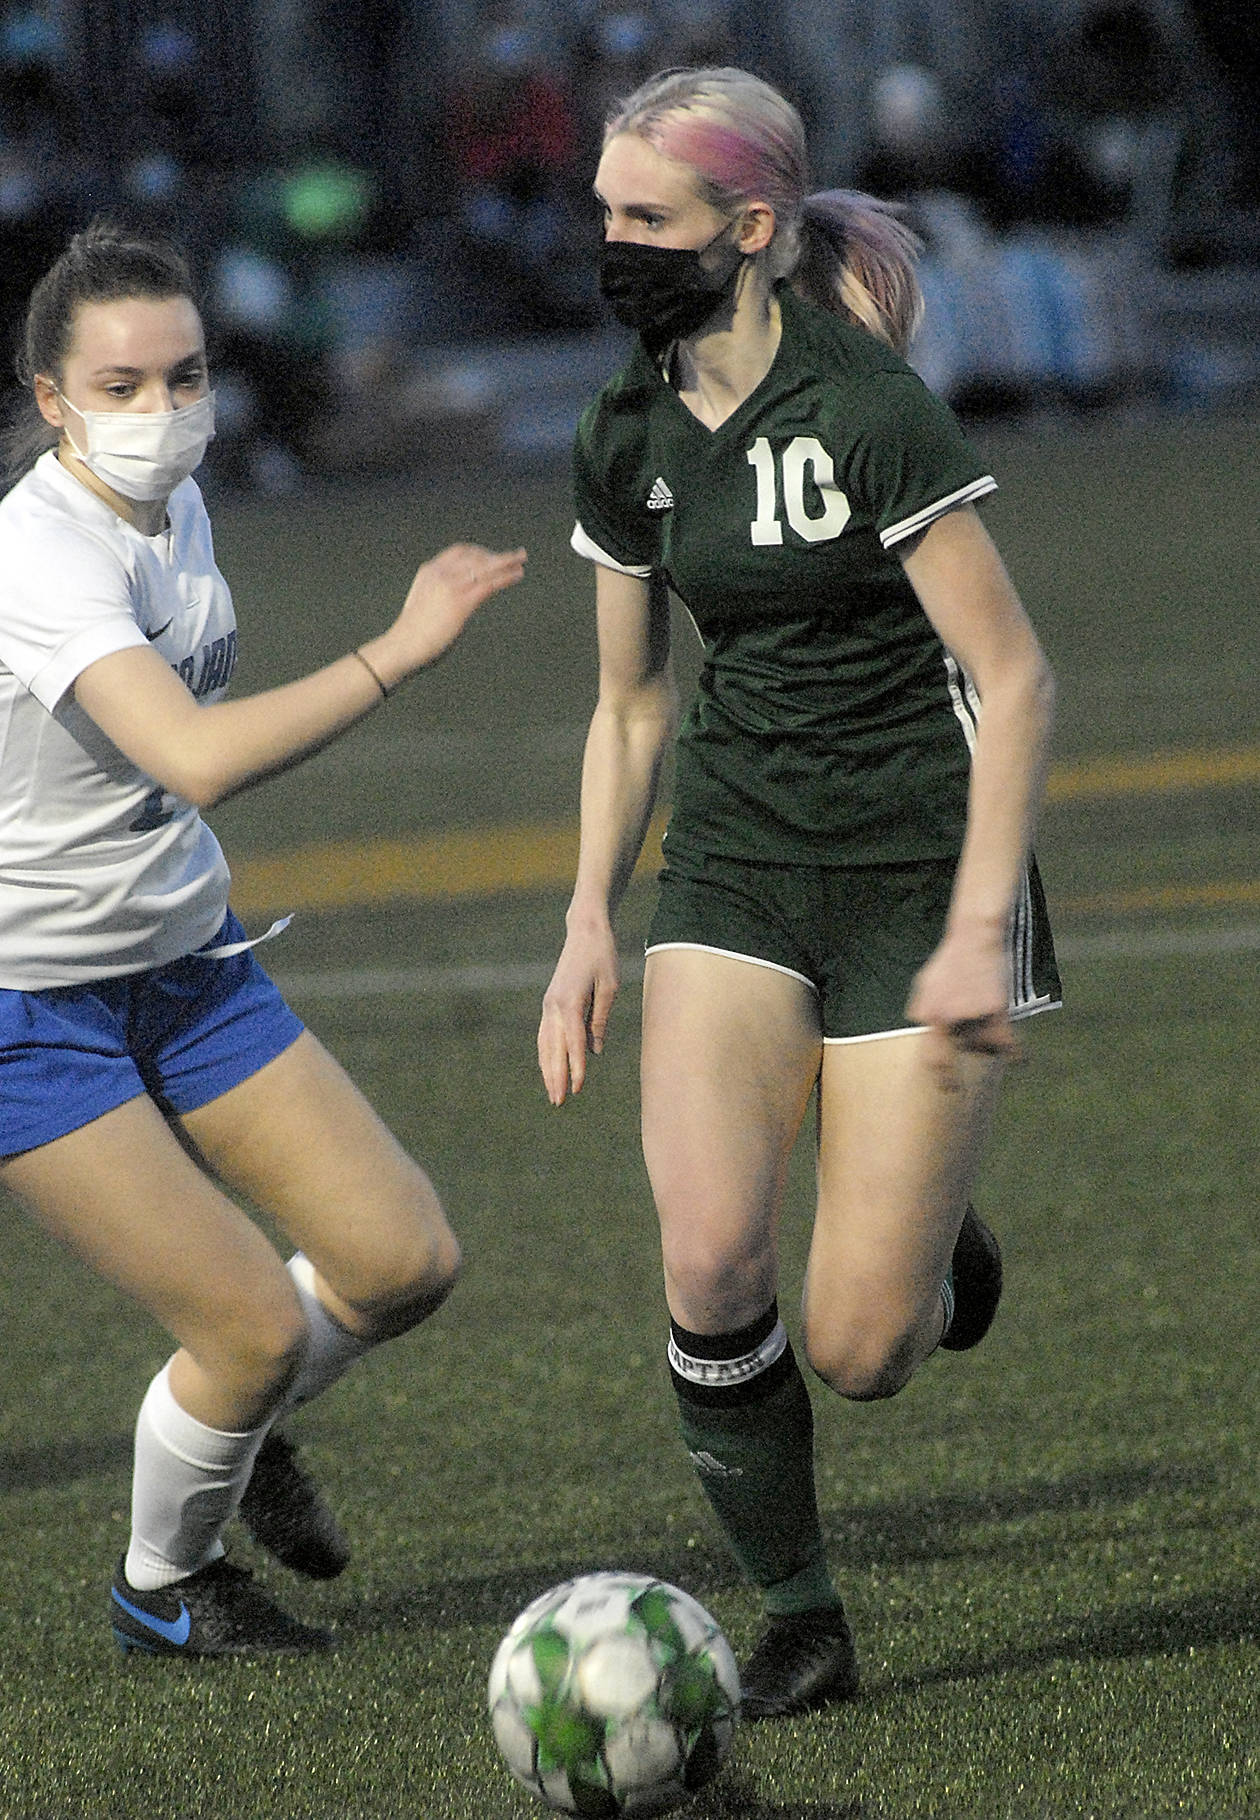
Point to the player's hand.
(446, 592)
(961, 994)
(576, 1008)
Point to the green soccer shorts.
(856, 935)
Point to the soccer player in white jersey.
(848, 905)
(149, 1069)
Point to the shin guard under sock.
(748, 1426)
(331, 1349)
(187, 1482)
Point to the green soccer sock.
(749, 1428)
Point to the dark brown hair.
(105, 262)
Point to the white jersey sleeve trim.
(586, 546)
(68, 663)
(920, 520)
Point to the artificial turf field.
(1048, 1546)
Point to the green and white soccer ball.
(614, 1694)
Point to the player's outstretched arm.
(206, 752)
(443, 597)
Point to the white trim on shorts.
(1029, 1008)
(1026, 1007)
(732, 954)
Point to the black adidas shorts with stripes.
(856, 935)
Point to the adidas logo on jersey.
(660, 499)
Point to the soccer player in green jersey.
(848, 903)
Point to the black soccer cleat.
(977, 1274)
(801, 1661)
(285, 1513)
(218, 1611)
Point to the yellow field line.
(473, 862)
(1156, 774)
(1220, 894)
(479, 862)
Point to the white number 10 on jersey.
(802, 453)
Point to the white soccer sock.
(187, 1481)
(331, 1349)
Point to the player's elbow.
(1043, 689)
(656, 709)
(203, 796)
(642, 717)
(197, 778)
(1021, 694)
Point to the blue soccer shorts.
(183, 1033)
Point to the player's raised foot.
(802, 1661)
(284, 1511)
(977, 1275)
(218, 1611)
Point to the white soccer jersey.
(101, 871)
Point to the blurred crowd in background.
(389, 209)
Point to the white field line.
(532, 976)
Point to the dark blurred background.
(388, 203)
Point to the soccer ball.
(614, 1694)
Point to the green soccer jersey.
(830, 725)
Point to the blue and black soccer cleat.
(218, 1611)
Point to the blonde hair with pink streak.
(847, 252)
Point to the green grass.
(1048, 1546)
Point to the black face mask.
(664, 291)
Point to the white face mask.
(144, 454)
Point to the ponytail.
(857, 260)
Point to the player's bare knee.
(864, 1368)
(723, 1287)
(260, 1348)
(407, 1277)
(434, 1271)
(432, 1260)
